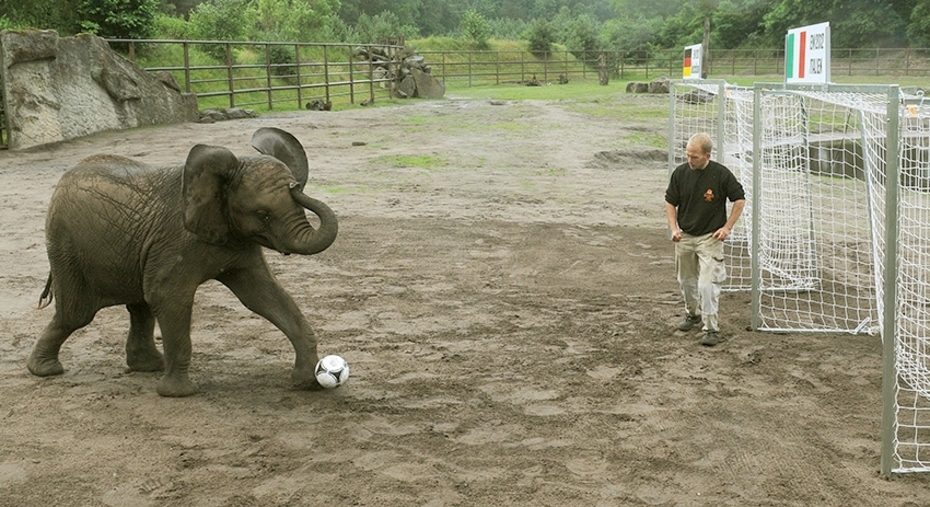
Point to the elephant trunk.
(315, 240)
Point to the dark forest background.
(626, 25)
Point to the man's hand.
(676, 235)
(722, 234)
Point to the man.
(695, 205)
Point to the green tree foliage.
(855, 23)
(541, 36)
(221, 20)
(738, 23)
(476, 29)
(918, 27)
(57, 15)
(125, 19)
(292, 20)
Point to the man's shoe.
(689, 322)
(710, 339)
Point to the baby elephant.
(120, 232)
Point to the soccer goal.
(837, 230)
(725, 112)
(841, 243)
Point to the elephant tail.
(46, 298)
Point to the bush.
(123, 19)
(170, 27)
(223, 20)
(476, 28)
(540, 36)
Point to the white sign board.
(691, 69)
(807, 54)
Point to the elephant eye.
(263, 216)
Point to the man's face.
(697, 159)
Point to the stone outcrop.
(658, 85)
(57, 88)
(409, 71)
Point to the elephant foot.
(304, 380)
(146, 362)
(44, 366)
(176, 387)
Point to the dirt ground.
(503, 290)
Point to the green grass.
(417, 161)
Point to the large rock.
(428, 87)
(56, 89)
(660, 85)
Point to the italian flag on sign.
(795, 46)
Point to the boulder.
(63, 88)
(428, 87)
(637, 87)
(660, 85)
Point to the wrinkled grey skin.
(120, 232)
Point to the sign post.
(807, 54)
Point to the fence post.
(229, 75)
(187, 67)
(268, 74)
(566, 63)
(469, 69)
(371, 78)
(497, 68)
(300, 88)
(326, 75)
(584, 63)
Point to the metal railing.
(267, 73)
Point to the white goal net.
(725, 112)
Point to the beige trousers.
(701, 271)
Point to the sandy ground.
(503, 290)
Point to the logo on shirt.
(709, 195)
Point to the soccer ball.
(332, 371)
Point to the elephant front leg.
(174, 319)
(141, 353)
(261, 293)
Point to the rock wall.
(62, 88)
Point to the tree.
(540, 36)
(221, 20)
(918, 28)
(476, 28)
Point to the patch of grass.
(659, 141)
(419, 161)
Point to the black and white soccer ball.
(332, 371)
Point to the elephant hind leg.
(43, 361)
(141, 353)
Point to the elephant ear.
(206, 172)
(286, 148)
